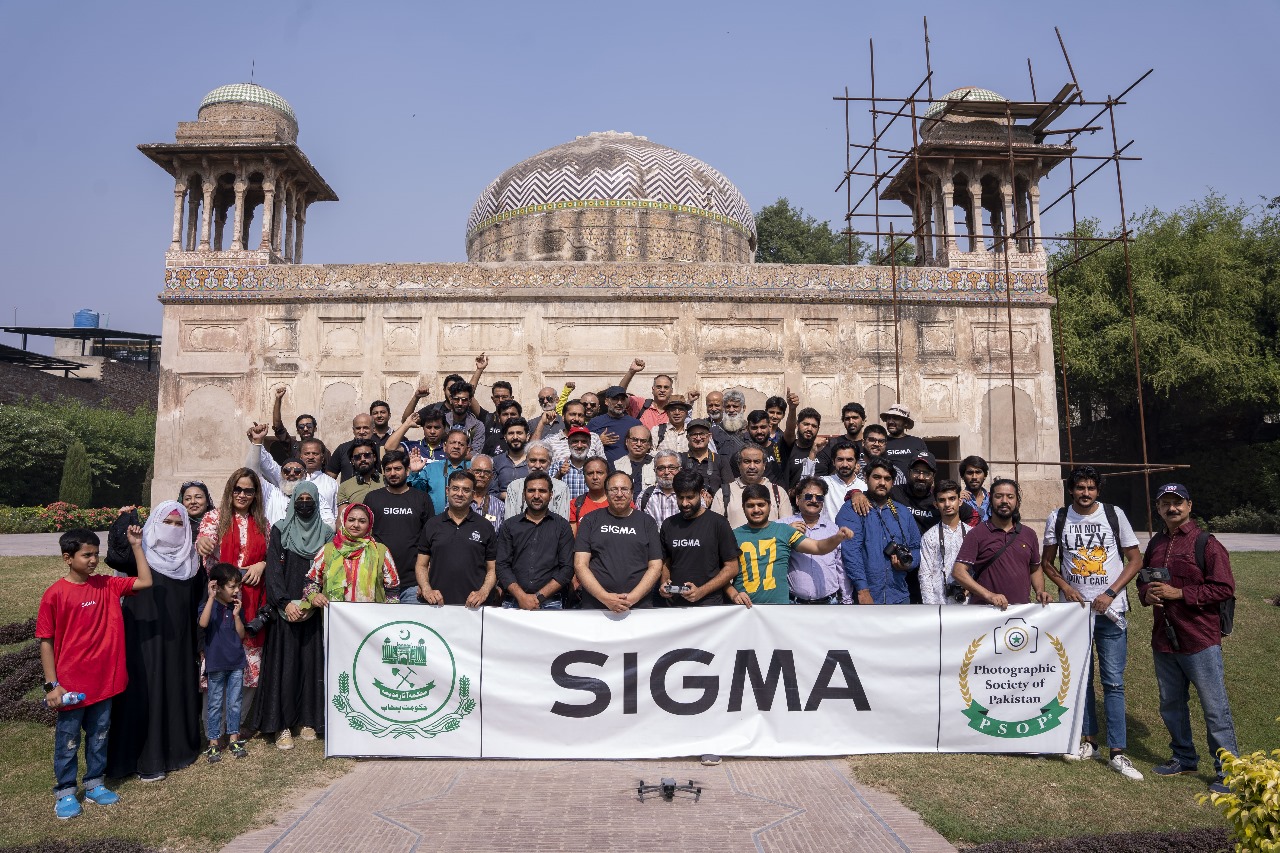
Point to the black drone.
(668, 788)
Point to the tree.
(786, 235)
(77, 477)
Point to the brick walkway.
(775, 805)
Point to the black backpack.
(119, 551)
(1060, 524)
(1226, 609)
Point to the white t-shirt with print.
(1091, 560)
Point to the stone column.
(219, 225)
(206, 218)
(1006, 198)
(268, 212)
(949, 216)
(193, 209)
(237, 233)
(302, 225)
(179, 193)
(290, 212)
(1037, 244)
(975, 196)
(928, 209)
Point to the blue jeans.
(227, 685)
(550, 604)
(1112, 643)
(95, 719)
(409, 595)
(1175, 673)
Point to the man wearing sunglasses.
(365, 463)
(278, 480)
(816, 578)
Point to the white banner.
(769, 681)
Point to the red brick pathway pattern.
(425, 805)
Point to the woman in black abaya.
(155, 723)
(291, 685)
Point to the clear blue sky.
(409, 109)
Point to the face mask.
(167, 534)
(305, 509)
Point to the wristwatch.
(1111, 592)
(541, 598)
(49, 686)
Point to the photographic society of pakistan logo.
(1011, 674)
(402, 677)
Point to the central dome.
(611, 196)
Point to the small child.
(224, 658)
(81, 631)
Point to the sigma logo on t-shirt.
(397, 510)
(475, 536)
(617, 528)
(686, 543)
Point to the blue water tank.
(86, 319)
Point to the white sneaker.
(1084, 753)
(1122, 765)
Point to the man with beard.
(275, 498)
(339, 465)
(459, 415)
(433, 477)
(1000, 559)
(380, 411)
(699, 551)
(364, 453)
(715, 406)
(918, 496)
(457, 550)
(572, 469)
(673, 435)
(535, 551)
(591, 404)
(549, 421)
(802, 459)
(614, 422)
(538, 458)
(511, 464)
(488, 505)
(596, 471)
(638, 463)
(973, 470)
(879, 577)
(760, 431)
(728, 500)
(311, 454)
(575, 415)
(495, 425)
(844, 480)
(653, 411)
(853, 417)
(283, 445)
(714, 467)
(730, 435)
(399, 515)
(901, 448)
(659, 500)
(618, 555)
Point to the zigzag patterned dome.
(604, 173)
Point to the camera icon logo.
(1016, 636)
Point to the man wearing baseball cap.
(614, 420)
(901, 449)
(1186, 576)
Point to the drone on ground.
(668, 788)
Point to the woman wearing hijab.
(155, 723)
(236, 533)
(353, 566)
(291, 689)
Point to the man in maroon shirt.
(1186, 634)
(1000, 559)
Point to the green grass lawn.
(971, 799)
(200, 808)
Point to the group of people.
(605, 500)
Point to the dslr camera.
(955, 592)
(1155, 574)
(902, 552)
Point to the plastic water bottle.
(1117, 617)
(72, 698)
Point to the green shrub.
(1253, 806)
(77, 476)
(1247, 519)
(57, 517)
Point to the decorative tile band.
(606, 204)
(516, 281)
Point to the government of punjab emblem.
(402, 677)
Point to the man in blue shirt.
(615, 420)
(876, 578)
(434, 475)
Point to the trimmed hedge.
(57, 517)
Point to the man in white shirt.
(751, 464)
(939, 547)
(276, 485)
(1100, 556)
(659, 500)
(845, 460)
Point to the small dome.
(612, 169)
(249, 93)
(966, 93)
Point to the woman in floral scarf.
(353, 566)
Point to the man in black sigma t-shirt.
(399, 513)
(618, 555)
(458, 550)
(902, 449)
(699, 551)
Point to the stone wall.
(339, 337)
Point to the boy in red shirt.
(81, 632)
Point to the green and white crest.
(402, 678)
